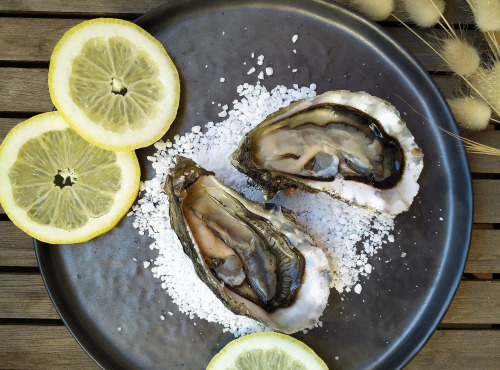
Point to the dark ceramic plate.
(112, 305)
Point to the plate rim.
(104, 362)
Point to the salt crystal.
(261, 75)
(269, 71)
(222, 79)
(348, 240)
(146, 264)
(295, 38)
(251, 70)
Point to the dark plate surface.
(112, 304)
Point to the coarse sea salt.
(348, 235)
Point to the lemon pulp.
(114, 84)
(266, 350)
(64, 185)
(59, 188)
(259, 359)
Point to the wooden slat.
(24, 90)
(41, 347)
(7, 124)
(37, 46)
(485, 163)
(23, 296)
(88, 7)
(476, 302)
(453, 11)
(484, 254)
(447, 85)
(459, 349)
(16, 247)
(31, 83)
(454, 8)
(486, 201)
(54, 348)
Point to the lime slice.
(114, 84)
(266, 350)
(59, 188)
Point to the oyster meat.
(352, 145)
(254, 256)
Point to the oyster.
(254, 256)
(354, 146)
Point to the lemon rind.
(61, 65)
(267, 340)
(33, 127)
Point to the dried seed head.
(376, 10)
(486, 14)
(461, 57)
(470, 113)
(425, 13)
(487, 83)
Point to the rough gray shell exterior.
(378, 168)
(299, 312)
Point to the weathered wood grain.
(37, 45)
(24, 90)
(454, 8)
(483, 258)
(484, 253)
(476, 302)
(50, 347)
(480, 163)
(23, 296)
(486, 201)
(41, 347)
(129, 8)
(16, 247)
(459, 349)
(7, 124)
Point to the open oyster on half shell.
(351, 145)
(254, 256)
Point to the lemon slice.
(114, 84)
(266, 350)
(59, 188)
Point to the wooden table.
(32, 335)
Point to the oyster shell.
(254, 256)
(354, 146)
